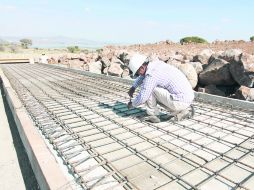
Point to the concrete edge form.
(242, 104)
(47, 171)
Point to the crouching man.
(160, 83)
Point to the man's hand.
(130, 105)
(131, 91)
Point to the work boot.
(184, 114)
(152, 119)
(166, 117)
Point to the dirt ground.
(191, 49)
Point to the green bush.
(252, 38)
(99, 50)
(192, 39)
(73, 49)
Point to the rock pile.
(227, 73)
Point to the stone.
(206, 52)
(115, 69)
(230, 54)
(201, 58)
(174, 63)
(245, 93)
(242, 69)
(197, 66)
(190, 73)
(76, 64)
(95, 67)
(212, 89)
(126, 74)
(217, 73)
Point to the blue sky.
(131, 21)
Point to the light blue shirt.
(160, 74)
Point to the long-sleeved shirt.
(160, 74)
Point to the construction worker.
(43, 59)
(160, 83)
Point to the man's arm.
(146, 90)
(136, 83)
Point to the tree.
(25, 42)
(192, 39)
(73, 49)
(252, 38)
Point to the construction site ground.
(15, 169)
(95, 142)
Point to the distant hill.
(58, 42)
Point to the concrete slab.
(47, 171)
(141, 152)
(15, 169)
(215, 184)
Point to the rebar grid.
(72, 95)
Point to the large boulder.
(190, 73)
(212, 89)
(115, 68)
(95, 67)
(206, 52)
(178, 57)
(242, 69)
(76, 63)
(197, 66)
(174, 63)
(212, 58)
(105, 64)
(52, 60)
(122, 55)
(105, 61)
(62, 59)
(204, 59)
(217, 73)
(245, 93)
(85, 67)
(230, 54)
(126, 74)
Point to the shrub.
(252, 38)
(99, 50)
(73, 49)
(85, 51)
(192, 39)
(25, 43)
